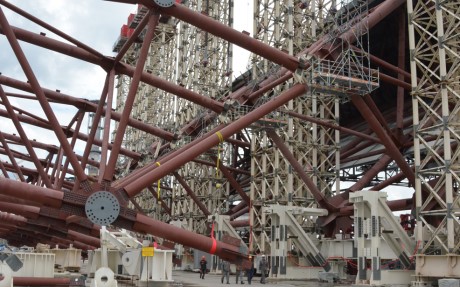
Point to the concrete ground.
(185, 278)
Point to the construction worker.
(239, 273)
(250, 270)
(203, 266)
(263, 267)
(225, 271)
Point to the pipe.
(227, 33)
(44, 196)
(179, 235)
(240, 223)
(192, 152)
(37, 281)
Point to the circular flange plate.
(164, 3)
(102, 208)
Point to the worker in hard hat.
(203, 266)
(250, 270)
(264, 268)
(225, 271)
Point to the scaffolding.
(435, 66)
(205, 67)
(292, 26)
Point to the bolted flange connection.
(164, 3)
(102, 207)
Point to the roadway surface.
(190, 279)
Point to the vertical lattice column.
(95, 153)
(122, 86)
(291, 26)
(435, 70)
(156, 107)
(152, 105)
(204, 66)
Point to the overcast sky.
(95, 23)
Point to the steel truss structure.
(191, 142)
(435, 63)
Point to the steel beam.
(244, 41)
(79, 172)
(24, 137)
(128, 105)
(192, 194)
(211, 141)
(10, 156)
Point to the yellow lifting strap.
(158, 184)
(219, 147)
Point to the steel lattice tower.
(290, 26)
(204, 66)
(314, 146)
(152, 106)
(435, 70)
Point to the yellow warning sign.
(148, 251)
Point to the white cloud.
(95, 23)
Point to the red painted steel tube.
(332, 126)
(58, 46)
(237, 208)
(240, 212)
(24, 170)
(187, 238)
(268, 85)
(19, 209)
(140, 27)
(169, 87)
(377, 114)
(107, 63)
(364, 155)
(86, 239)
(11, 157)
(80, 115)
(355, 146)
(233, 182)
(132, 177)
(49, 27)
(225, 32)
(95, 127)
(12, 218)
(49, 148)
(319, 197)
(192, 152)
(81, 136)
(25, 140)
(86, 106)
(371, 173)
(384, 64)
(375, 16)
(392, 149)
(107, 120)
(130, 98)
(5, 172)
(190, 193)
(392, 180)
(37, 281)
(5, 198)
(56, 167)
(45, 196)
(240, 223)
(79, 172)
